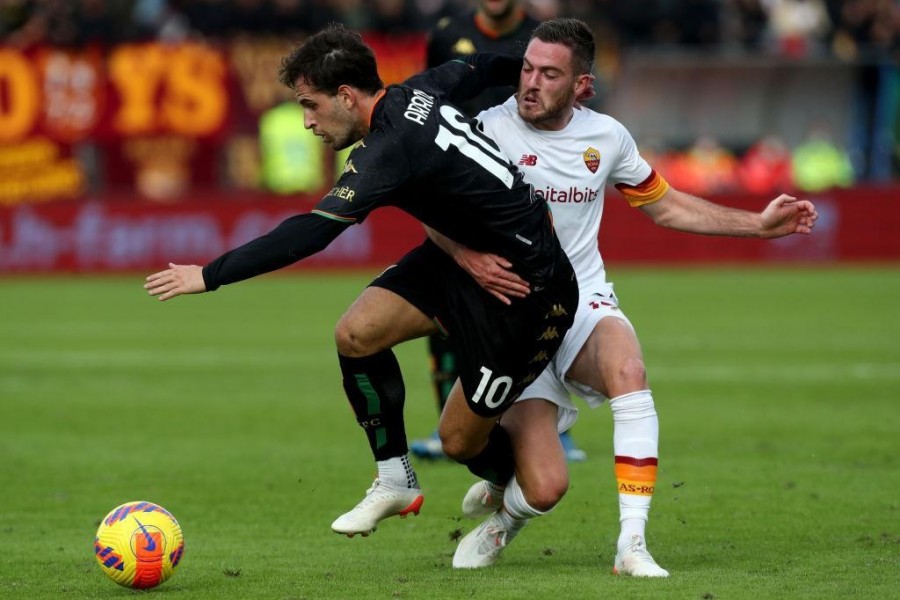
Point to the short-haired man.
(571, 154)
(496, 27)
(415, 151)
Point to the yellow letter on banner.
(196, 101)
(19, 113)
(136, 71)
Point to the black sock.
(375, 389)
(496, 462)
(443, 368)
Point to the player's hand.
(786, 215)
(493, 273)
(175, 281)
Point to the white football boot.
(481, 547)
(382, 500)
(634, 559)
(483, 498)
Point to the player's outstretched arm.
(294, 239)
(785, 215)
(490, 271)
(175, 281)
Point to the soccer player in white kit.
(569, 153)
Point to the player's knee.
(630, 376)
(547, 491)
(348, 340)
(457, 446)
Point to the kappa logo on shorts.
(528, 378)
(556, 311)
(540, 356)
(551, 333)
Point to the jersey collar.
(378, 98)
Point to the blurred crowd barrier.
(856, 225)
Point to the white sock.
(636, 447)
(515, 503)
(398, 472)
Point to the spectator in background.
(498, 26)
(819, 163)
(394, 16)
(866, 26)
(210, 18)
(160, 19)
(292, 158)
(750, 22)
(798, 27)
(352, 13)
(766, 167)
(705, 168)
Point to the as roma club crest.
(591, 158)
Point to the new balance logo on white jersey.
(528, 160)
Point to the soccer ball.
(139, 544)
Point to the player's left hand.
(493, 273)
(175, 281)
(786, 215)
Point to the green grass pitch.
(779, 475)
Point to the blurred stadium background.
(133, 132)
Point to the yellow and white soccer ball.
(139, 544)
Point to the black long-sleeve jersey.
(460, 36)
(422, 156)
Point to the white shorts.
(552, 384)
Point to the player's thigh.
(549, 388)
(540, 460)
(610, 361)
(463, 433)
(379, 319)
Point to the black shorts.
(501, 349)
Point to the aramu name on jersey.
(571, 194)
(419, 107)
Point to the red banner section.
(165, 120)
(189, 89)
(854, 225)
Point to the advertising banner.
(127, 236)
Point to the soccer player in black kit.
(415, 151)
(499, 27)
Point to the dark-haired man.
(415, 151)
(569, 154)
